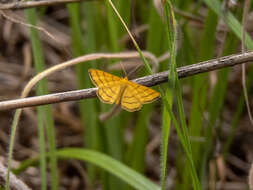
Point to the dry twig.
(15, 183)
(31, 4)
(15, 20)
(150, 80)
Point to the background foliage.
(208, 145)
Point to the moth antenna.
(134, 70)
(123, 69)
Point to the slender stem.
(244, 21)
(11, 146)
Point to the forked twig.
(150, 80)
(15, 20)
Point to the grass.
(87, 108)
(45, 114)
(104, 143)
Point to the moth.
(113, 89)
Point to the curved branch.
(150, 80)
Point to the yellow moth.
(113, 89)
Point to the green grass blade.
(136, 155)
(156, 31)
(189, 57)
(230, 20)
(113, 127)
(217, 100)
(113, 166)
(11, 145)
(89, 12)
(188, 148)
(165, 135)
(47, 114)
(87, 107)
(113, 29)
(137, 150)
(26, 164)
(174, 85)
(199, 82)
(114, 144)
(107, 163)
(42, 146)
(200, 90)
(155, 44)
(147, 67)
(125, 12)
(171, 35)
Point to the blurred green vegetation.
(195, 41)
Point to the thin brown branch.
(150, 80)
(31, 4)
